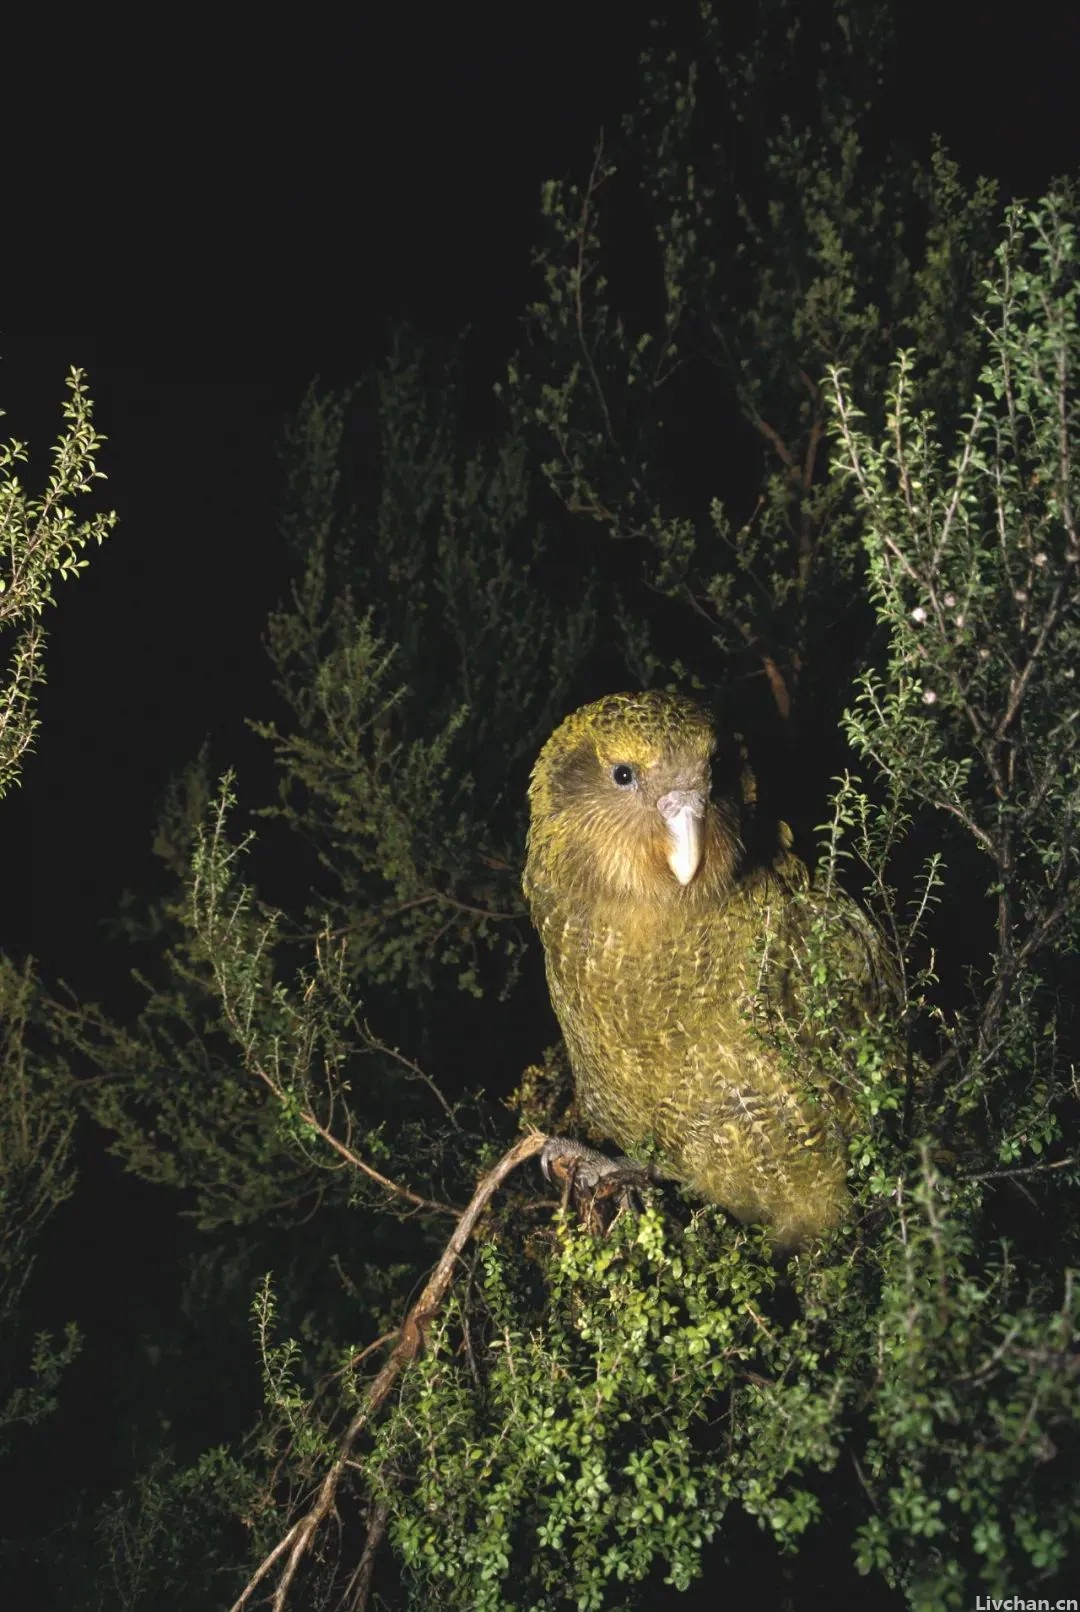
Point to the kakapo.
(667, 947)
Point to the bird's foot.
(599, 1187)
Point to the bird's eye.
(623, 774)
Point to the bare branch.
(298, 1541)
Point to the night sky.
(220, 219)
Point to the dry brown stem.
(295, 1544)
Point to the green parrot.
(668, 949)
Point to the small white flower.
(1039, 559)
(949, 601)
(918, 614)
(1021, 596)
(959, 620)
(929, 697)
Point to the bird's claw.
(599, 1187)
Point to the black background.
(207, 221)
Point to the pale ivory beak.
(683, 811)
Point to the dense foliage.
(42, 540)
(813, 456)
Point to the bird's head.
(619, 804)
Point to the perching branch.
(296, 1543)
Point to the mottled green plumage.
(655, 981)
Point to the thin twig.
(1021, 1169)
(358, 1589)
(306, 1115)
